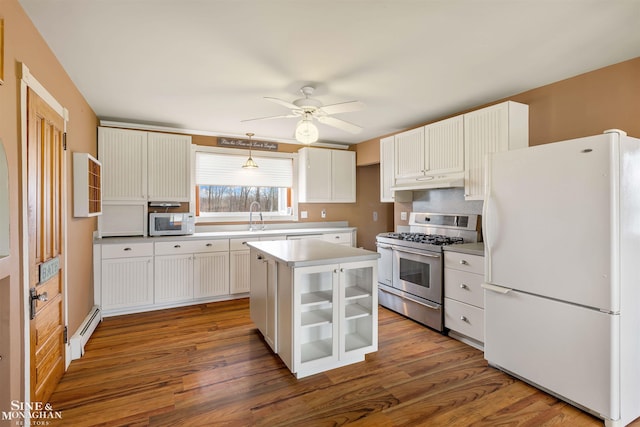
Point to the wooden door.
(44, 168)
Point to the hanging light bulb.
(306, 131)
(250, 163)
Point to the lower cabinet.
(263, 303)
(464, 298)
(126, 276)
(327, 315)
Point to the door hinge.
(64, 141)
(65, 335)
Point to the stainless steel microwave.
(171, 224)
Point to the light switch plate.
(303, 214)
(403, 216)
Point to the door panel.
(548, 221)
(44, 168)
(562, 347)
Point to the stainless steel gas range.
(410, 267)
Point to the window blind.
(226, 169)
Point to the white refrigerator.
(562, 270)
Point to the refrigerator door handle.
(495, 288)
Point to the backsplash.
(445, 200)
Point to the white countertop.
(303, 253)
(466, 248)
(228, 234)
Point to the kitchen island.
(315, 303)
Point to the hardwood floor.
(207, 365)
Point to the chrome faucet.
(251, 228)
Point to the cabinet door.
(444, 142)
(315, 318)
(173, 278)
(271, 331)
(240, 272)
(343, 176)
(123, 155)
(258, 291)
(358, 308)
(315, 175)
(126, 282)
(210, 274)
(410, 154)
(387, 168)
(169, 173)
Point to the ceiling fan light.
(306, 132)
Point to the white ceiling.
(206, 65)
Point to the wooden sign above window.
(244, 143)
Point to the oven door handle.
(403, 250)
(431, 306)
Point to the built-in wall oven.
(410, 267)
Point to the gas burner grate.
(431, 239)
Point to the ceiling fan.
(309, 108)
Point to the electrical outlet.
(323, 214)
(403, 216)
(375, 216)
(303, 214)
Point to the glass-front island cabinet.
(316, 303)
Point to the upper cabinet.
(500, 127)
(140, 167)
(326, 176)
(430, 154)
(451, 152)
(168, 167)
(144, 166)
(123, 154)
(387, 168)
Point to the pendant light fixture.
(250, 163)
(306, 131)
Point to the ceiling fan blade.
(340, 124)
(343, 107)
(282, 102)
(286, 116)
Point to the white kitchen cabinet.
(191, 269)
(464, 297)
(263, 297)
(431, 153)
(326, 176)
(126, 277)
(410, 154)
(500, 127)
(387, 168)
(123, 154)
(334, 315)
(139, 167)
(173, 278)
(168, 167)
(339, 238)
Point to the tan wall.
(22, 43)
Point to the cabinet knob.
(177, 246)
(260, 257)
(209, 245)
(464, 262)
(463, 286)
(464, 319)
(127, 249)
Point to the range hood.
(429, 182)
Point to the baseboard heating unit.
(80, 338)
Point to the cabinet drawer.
(127, 250)
(464, 318)
(340, 238)
(464, 286)
(464, 262)
(177, 247)
(239, 244)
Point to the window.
(225, 191)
